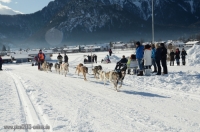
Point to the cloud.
(5, 10)
(5, 1)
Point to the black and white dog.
(57, 67)
(118, 76)
(96, 70)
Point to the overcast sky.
(22, 6)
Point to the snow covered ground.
(143, 104)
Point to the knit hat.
(138, 43)
(147, 46)
(162, 44)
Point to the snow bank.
(114, 59)
(194, 56)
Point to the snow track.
(31, 114)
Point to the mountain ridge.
(93, 21)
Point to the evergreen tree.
(3, 48)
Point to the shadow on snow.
(144, 94)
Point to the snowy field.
(166, 103)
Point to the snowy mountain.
(166, 10)
(90, 21)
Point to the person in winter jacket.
(172, 58)
(65, 58)
(153, 50)
(183, 54)
(132, 63)
(59, 57)
(139, 57)
(110, 52)
(41, 58)
(121, 63)
(95, 57)
(164, 58)
(158, 58)
(106, 59)
(1, 62)
(147, 56)
(89, 58)
(177, 56)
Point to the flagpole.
(152, 22)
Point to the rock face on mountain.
(93, 21)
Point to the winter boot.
(140, 73)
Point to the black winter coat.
(65, 58)
(172, 56)
(59, 57)
(183, 54)
(158, 54)
(163, 53)
(123, 60)
(177, 54)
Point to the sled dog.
(83, 69)
(96, 70)
(118, 77)
(64, 68)
(57, 67)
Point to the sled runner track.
(31, 115)
(21, 102)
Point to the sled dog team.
(111, 76)
(60, 68)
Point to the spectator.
(89, 58)
(95, 57)
(158, 58)
(41, 58)
(183, 54)
(153, 50)
(1, 62)
(65, 58)
(164, 58)
(132, 63)
(172, 58)
(147, 59)
(177, 56)
(139, 57)
(59, 57)
(110, 52)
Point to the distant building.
(20, 58)
(119, 46)
(48, 53)
(191, 43)
(71, 49)
(6, 59)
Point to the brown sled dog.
(81, 68)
